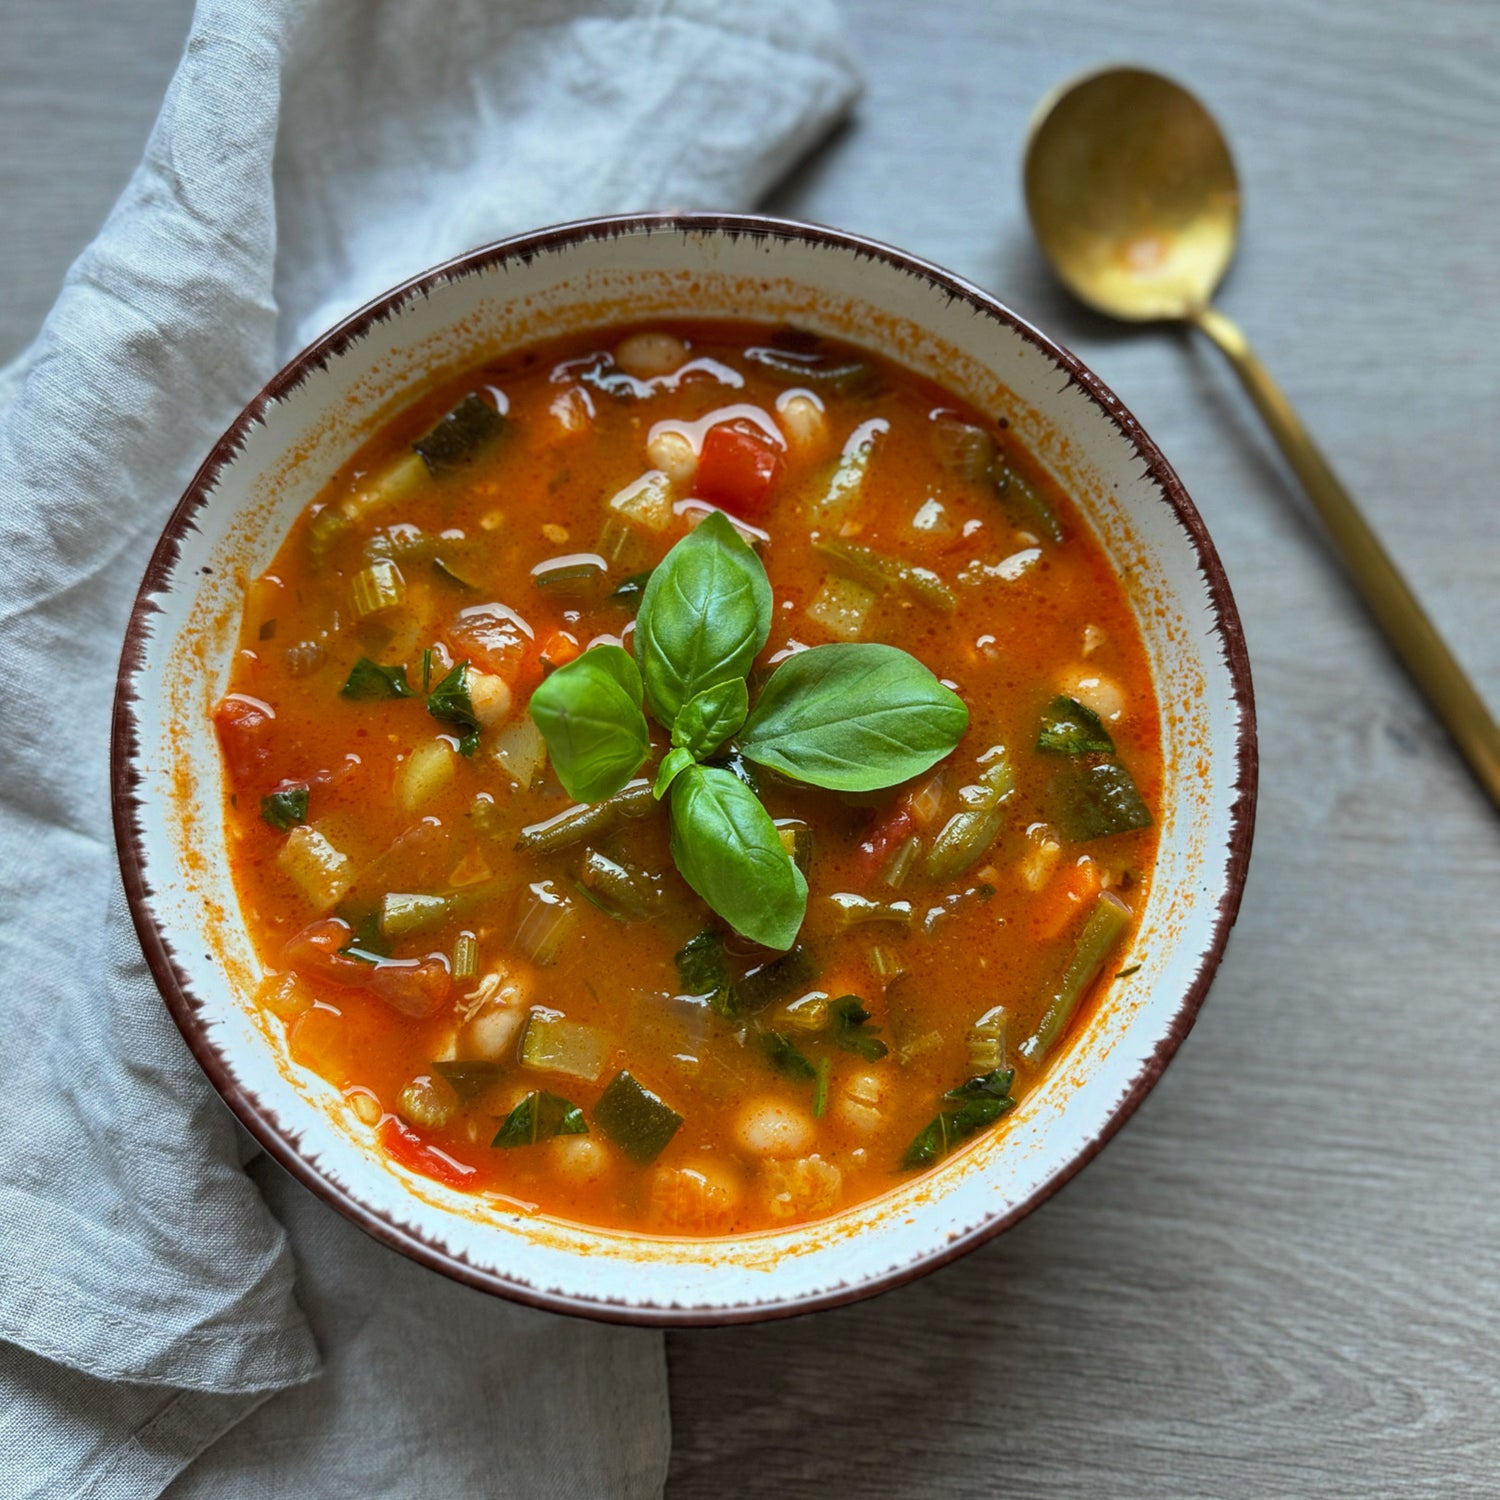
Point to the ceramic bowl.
(295, 433)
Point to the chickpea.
(673, 454)
(492, 1034)
(801, 416)
(427, 1102)
(647, 355)
(579, 1159)
(860, 1100)
(701, 1199)
(490, 696)
(771, 1127)
(1097, 692)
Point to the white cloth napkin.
(307, 156)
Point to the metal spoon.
(1134, 199)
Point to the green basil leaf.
(673, 764)
(709, 718)
(449, 703)
(853, 718)
(589, 713)
(705, 614)
(367, 681)
(727, 848)
(1068, 728)
(286, 807)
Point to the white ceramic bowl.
(295, 433)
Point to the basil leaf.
(674, 763)
(709, 718)
(727, 848)
(705, 614)
(853, 718)
(589, 713)
(366, 680)
(449, 702)
(786, 1056)
(539, 1117)
(1068, 728)
(286, 807)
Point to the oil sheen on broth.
(551, 1016)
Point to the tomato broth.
(522, 997)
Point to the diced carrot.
(1067, 897)
(408, 1148)
(560, 648)
(737, 468)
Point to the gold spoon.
(1135, 201)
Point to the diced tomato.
(244, 726)
(314, 953)
(408, 1148)
(736, 469)
(416, 987)
(883, 840)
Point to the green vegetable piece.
(673, 764)
(539, 1117)
(727, 848)
(472, 425)
(367, 681)
(402, 912)
(705, 614)
(702, 969)
(589, 712)
(1103, 932)
(769, 982)
(883, 572)
(853, 718)
(470, 1080)
(992, 1085)
(1068, 728)
(784, 1055)
(286, 807)
(860, 911)
(575, 824)
(953, 1126)
(1098, 799)
(367, 942)
(635, 1119)
(620, 890)
(820, 1087)
(551, 1044)
(837, 373)
(852, 1029)
(1025, 503)
(710, 717)
(966, 837)
(449, 703)
(572, 577)
(446, 573)
(632, 590)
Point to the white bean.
(491, 1035)
(490, 696)
(859, 1102)
(802, 421)
(771, 1127)
(1095, 691)
(673, 454)
(646, 355)
(579, 1159)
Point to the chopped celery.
(546, 924)
(981, 1101)
(388, 486)
(320, 871)
(968, 834)
(962, 448)
(539, 1117)
(702, 969)
(449, 702)
(785, 1056)
(820, 1087)
(1026, 504)
(886, 963)
(472, 425)
(638, 1122)
(808, 1012)
(621, 890)
(465, 957)
(842, 607)
(324, 530)
(587, 821)
(899, 866)
(1103, 932)
(987, 1040)
(1098, 799)
(882, 572)
(286, 807)
(521, 751)
(368, 681)
(853, 1032)
(470, 1079)
(424, 773)
(766, 983)
(646, 502)
(553, 1045)
(377, 587)
(402, 912)
(1068, 728)
(860, 911)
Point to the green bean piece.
(587, 820)
(1025, 503)
(968, 834)
(622, 891)
(883, 572)
(860, 911)
(402, 912)
(1102, 933)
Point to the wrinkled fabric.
(153, 1293)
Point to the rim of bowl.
(184, 1005)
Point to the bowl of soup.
(684, 768)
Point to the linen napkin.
(161, 1283)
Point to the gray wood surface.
(1282, 1278)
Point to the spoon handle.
(1426, 655)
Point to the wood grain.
(1281, 1279)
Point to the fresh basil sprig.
(851, 718)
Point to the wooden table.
(1284, 1277)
